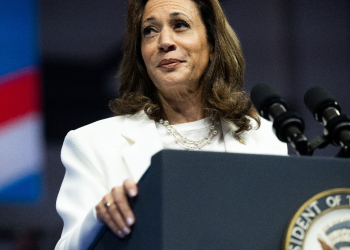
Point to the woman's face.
(174, 45)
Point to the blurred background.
(58, 62)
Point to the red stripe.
(20, 96)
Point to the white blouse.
(193, 131)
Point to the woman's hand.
(114, 209)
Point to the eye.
(148, 31)
(181, 24)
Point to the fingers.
(114, 208)
(104, 215)
(119, 195)
(114, 226)
(130, 188)
(118, 219)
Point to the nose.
(166, 41)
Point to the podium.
(204, 200)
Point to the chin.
(172, 85)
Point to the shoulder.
(86, 142)
(264, 131)
(110, 125)
(101, 126)
(104, 135)
(265, 138)
(94, 133)
(94, 137)
(105, 129)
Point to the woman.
(181, 88)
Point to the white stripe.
(21, 148)
(18, 73)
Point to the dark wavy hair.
(222, 81)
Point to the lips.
(169, 63)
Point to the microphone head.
(317, 99)
(263, 95)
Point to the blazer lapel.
(232, 144)
(144, 141)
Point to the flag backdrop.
(21, 123)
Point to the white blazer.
(101, 155)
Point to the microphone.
(326, 110)
(287, 125)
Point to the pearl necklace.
(187, 143)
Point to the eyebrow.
(174, 14)
(152, 18)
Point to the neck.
(182, 110)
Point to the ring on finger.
(108, 204)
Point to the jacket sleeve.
(82, 188)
